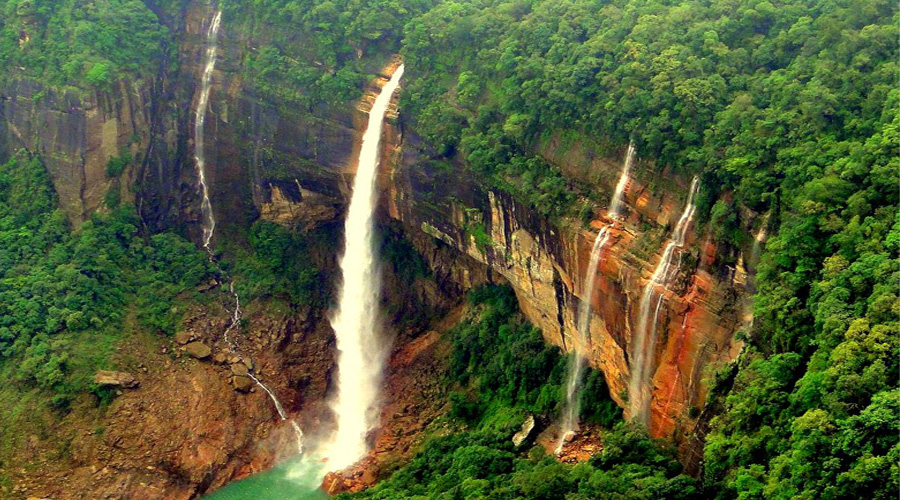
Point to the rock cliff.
(545, 263)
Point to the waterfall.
(360, 353)
(643, 345)
(615, 205)
(280, 409)
(577, 365)
(209, 220)
(758, 242)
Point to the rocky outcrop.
(198, 350)
(124, 380)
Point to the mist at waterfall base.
(569, 422)
(296, 479)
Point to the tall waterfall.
(576, 367)
(360, 353)
(643, 345)
(209, 220)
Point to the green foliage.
(84, 44)
(405, 260)
(278, 265)
(117, 164)
(596, 404)
(725, 89)
(318, 53)
(503, 358)
(482, 465)
(61, 290)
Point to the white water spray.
(643, 345)
(576, 368)
(360, 353)
(209, 219)
(615, 205)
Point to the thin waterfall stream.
(569, 423)
(208, 219)
(361, 351)
(643, 345)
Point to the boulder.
(220, 358)
(239, 370)
(242, 384)
(183, 336)
(335, 483)
(124, 380)
(525, 432)
(198, 350)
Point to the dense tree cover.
(60, 287)
(740, 89)
(503, 359)
(500, 361)
(790, 107)
(318, 53)
(503, 370)
(80, 43)
(483, 465)
(276, 264)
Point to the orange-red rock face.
(546, 265)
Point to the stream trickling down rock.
(361, 350)
(643, 345)
(208, 216)
(569, 423)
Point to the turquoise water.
(297, 479)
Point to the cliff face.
(546, 265)
(76, 135)
(470, 235)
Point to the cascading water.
(360, 353)
(615, 205)
(643, 344)
(298, 433)
(758, 241)
(577, 365)
(209, 219)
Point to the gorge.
(469, 286)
